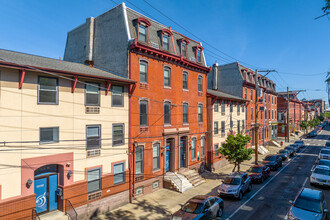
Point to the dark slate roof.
(154, 36)
(225, 95)
(23, 59)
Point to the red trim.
(132, 88)
(21, 78)
(136, 46)
(144, 20)
(74, 84)
(40, 69)
(166, 31)
(108, 85)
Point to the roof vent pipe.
(89, 41)
(215, 75)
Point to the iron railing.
(70, 211)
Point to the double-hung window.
(93, 180)
(165, 42)
(118, 173)
(117, 96)
(231, 124)
(245, 93)
(118, 134)
(185, 113)
(216, 150)
(193, 148)
(167, 77)
(49, 135)
(251, 94)
(199, 55)
(92, 93)
(200, 113)
(223, 128)
(139, 160)
(216, 106)
(143, 113)
(242, 108)
(202, 146)
(167, 113)
(251, 114)
(184, 49)
(185, 80)
(143, 72)
(200, 83)
(93, 133)
(155, 156)
(142, 32)
(47, 90)
(238, 126)
(238, 108)
(231, 106)
(243, 125)
(216, 129)
(223, 107)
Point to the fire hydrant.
(281, 143)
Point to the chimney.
(215, 75)
(89, 41)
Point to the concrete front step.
(179, 182)
(54, 215)
(194, 178)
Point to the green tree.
(326, 8)
(321, 118)
(235, 149)
(304, 126)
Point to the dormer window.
(142, 29)
(184, 49)
(142, 32)
(199, 56)
(165, 42)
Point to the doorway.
(45, 188)
(170, 155)
(183, 151)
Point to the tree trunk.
(234, 167)
(238, 167)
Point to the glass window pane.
(93, 186)
(118, 178)
(92, 88)
(93, 131)
(93, 174)
(118, 168)
(47, 83)
(47, 96)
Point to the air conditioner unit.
(92, 109)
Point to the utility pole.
(287, 115)
(256, 127)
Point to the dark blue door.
(40, 189)
(167, 157)
(52, 192)
(181, 153)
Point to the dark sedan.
(312, 134)
(258, 173)
(200, 207)
(294, 146)
(273, 161)
(291, 151)
(300, 143)
(284, 154)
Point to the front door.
(45, 189)
(181, 154)
(167, 157)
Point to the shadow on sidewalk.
(148, 211)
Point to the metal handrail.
(180, 187)
(73, 215)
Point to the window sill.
(185, 90)
(185, 124)
(167, 125)
(155, 171)
(116, 184)
(167, 87)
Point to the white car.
(324, 154)
(320, 175)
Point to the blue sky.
(281, 35)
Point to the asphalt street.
(270, 200)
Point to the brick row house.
(296, 112)
(63, 136)
(238, 80)
(226, 116)
(167, 113)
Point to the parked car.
(324, 154)
(320, 176)
(324, 162)
(300, 143)
(309, 204)
(200, 207)
(284, 154)
(327, 144)
(294, 146)
(312, 134)
(291, 150)
(258, 173)
(235, 185)
(273, 161)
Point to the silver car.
(235, 185)
(324, 154)
(320, 176)
(309, 204)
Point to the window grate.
(93, 196)
(92, 110)
(154, 45)
(94, 153)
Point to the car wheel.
(220, 212)
(240, 195)
(249, 188)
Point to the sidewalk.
(162, 203)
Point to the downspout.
(130, 134)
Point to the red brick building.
(296, 112)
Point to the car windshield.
(308, 204)
(327, 144)
(324, 162)
(325, 151)
(283, 151)
(270, 158)
(298, 142)
(232, 181)
(288, 148)
(255, 169)
(322, 171)
(193, 207)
